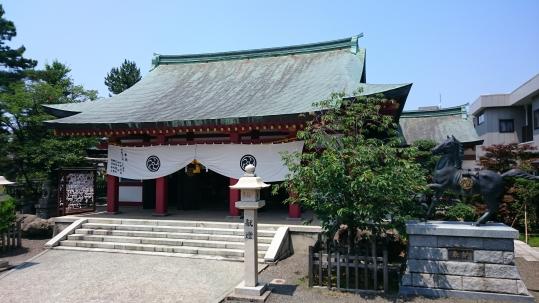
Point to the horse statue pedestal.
(457, 259)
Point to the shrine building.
(180, 136)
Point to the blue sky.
(459, 49)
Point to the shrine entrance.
(196, 189)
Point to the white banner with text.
(150, 162)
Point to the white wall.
(130, 194)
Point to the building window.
(536, 119)
(507, 125)
(480, 119)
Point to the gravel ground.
(30, 248)
(294, 271)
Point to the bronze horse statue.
(449, 175)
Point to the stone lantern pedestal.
(249, 185)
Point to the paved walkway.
(73, 276)
(523, 250)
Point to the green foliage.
(461, 212)
(31, 151)
(424, 156)
(533, 240)
(519, 192)
(526, 194)
(354, 170)
(12, 62)
(122, 78)
(7, 213)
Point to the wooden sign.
(460, 254)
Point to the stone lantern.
(250, 186)
(3, 181)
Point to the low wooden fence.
(363, 269)
(11, 238)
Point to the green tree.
(32, 150)
(123, 77)
(424, 156)
(12, 62)
(354, 170)
(520, 193)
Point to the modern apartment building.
(509, 118)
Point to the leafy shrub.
(461, 212)
(7, 213)
(354, 170)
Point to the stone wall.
(440, 264)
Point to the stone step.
(164, 241)
(151, 234)
(180, 223)
(224, 252)
(151, 253)
(177, 229)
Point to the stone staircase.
(211, 240)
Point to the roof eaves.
(449, 111)
(351, 43)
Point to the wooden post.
(233, 197)
(385, 271)
(160, 197)
(347, 270)
(329, 267)
(311, 256)
(320, 273)
(338, 270)
(112, 194)
(356, 271)
(161, 189)
(19, 233)
(374, 266)
(233, 194)
(525, 224)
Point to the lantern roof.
(250, 180)
(4, 181)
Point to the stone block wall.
(440, 265)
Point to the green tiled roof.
(230, 88)
(437, 124)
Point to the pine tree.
(12, 62)
(122, 78)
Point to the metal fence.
(11, 238)
(364, 268)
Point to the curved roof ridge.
(351, 42)
(454, 110)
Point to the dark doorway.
(274, 201)
(203, 190)
(148, 194)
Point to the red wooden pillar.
(233, 194)
(233, 197)
(161, 196)
(161, 189)
(112, 194)
(294, 211)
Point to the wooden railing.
(364, 269)
(11, 238)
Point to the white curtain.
(226, 159)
